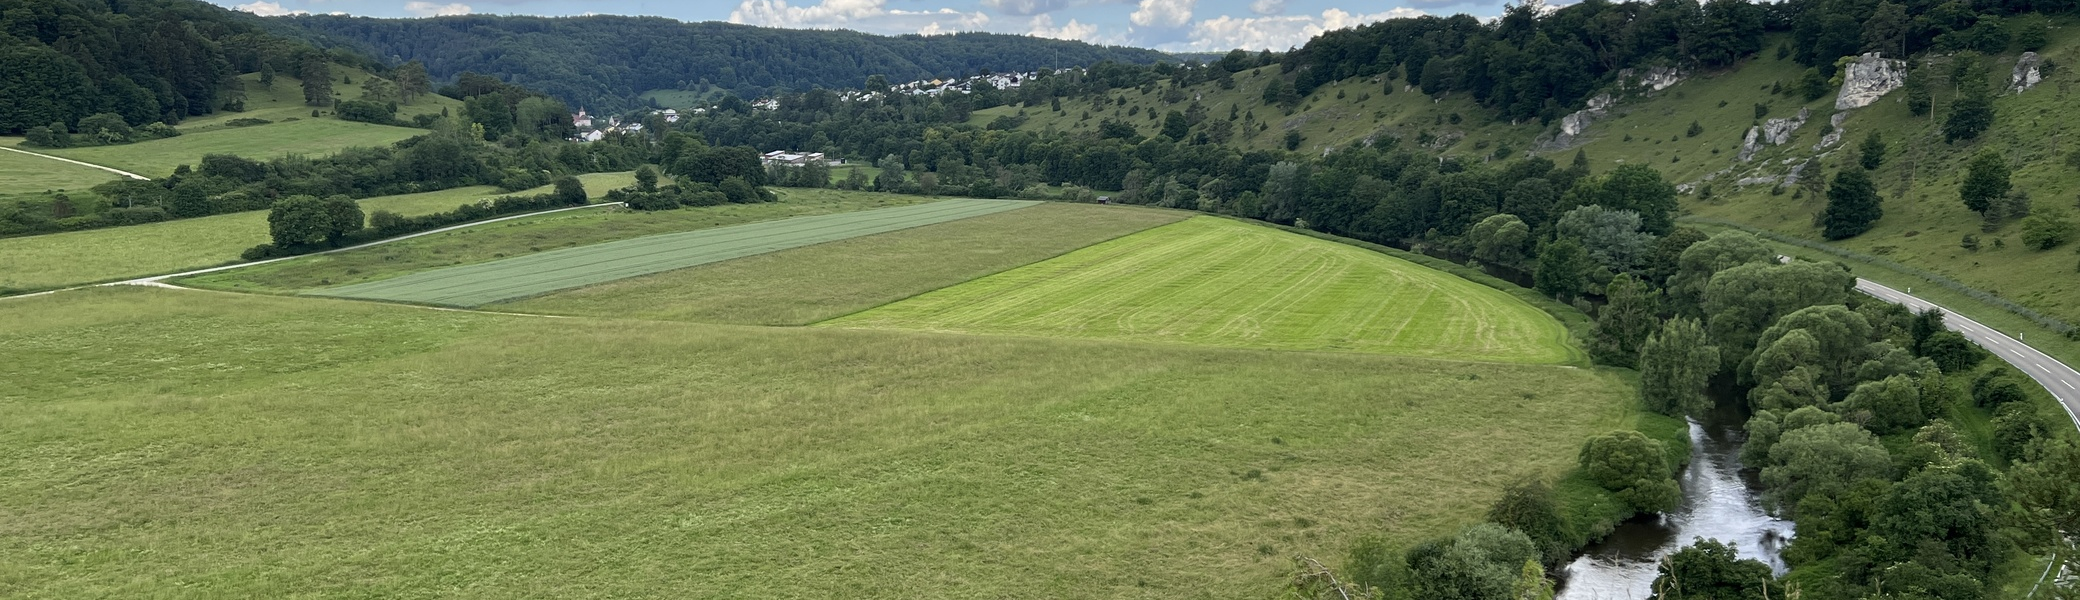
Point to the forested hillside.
(146, 60)
(607, 62)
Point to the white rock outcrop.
(1870, 77)
(1834, 133)
(2028, 72)
(1657, 78)
(1774, 132)
(1578, 121)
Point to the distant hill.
(608, 62)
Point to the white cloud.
(1276, 33)
(269, 9)
(1163, 13)
(1043, 26)
(429, 9)
(872, 16)
(1268, 7)
(1026, 7)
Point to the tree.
(2016, 426)
(1701, 260)
(412, 81)
(1888, 406)
(1175, 126)
(1531, 583)
(1871, 154)
(1634, 187)
(304, 220)
(380, 90)
(266, 74)
(1625, 322)
(1710, 570)
(490, 111)
(1668, 254)
(2045, 487)
(1675, 364)
(1920, 98)
(1562, 269)
(1821, 458)
(1634, 466)
(646, 179)
(1828, 337)
(1611, 237)
(1886, 30)
(1853, 206)
(317, 81)
(570, 190)
(106, 128)
(1985, 181)
(1500, 239)
(1952, 352)
(1529, 506)
(1972, 113)
(1740, 302)
(1482, 562)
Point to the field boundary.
(83, 164)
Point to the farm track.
(83, 164)
(534, 274)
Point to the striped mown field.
(478, 284)
(1214, 281)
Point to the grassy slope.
(1216, 281)
(262, 446)
(285, 100)
(72, 258)
(806, 285)
(521, 236)
(307, 136)
(1323, 119)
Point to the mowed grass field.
(77, 257)
(540, 273)
(813, 283)
(1214, 281)
(527, 236)
(190, 443)
(25, 174)
(307, 136)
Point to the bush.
(2046, 230)
(1634, 466)
(246, 122)
(366, 111)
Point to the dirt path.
(83, 164)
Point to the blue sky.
(1176, 25)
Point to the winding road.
(2061, 380)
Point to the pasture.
(211, 444)
(77, 257)
(1215, 281)
(527, 236)
(813, 283)
(25, 174)
(306, 136)
(539, 273)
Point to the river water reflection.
(1718, 503)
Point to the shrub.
(1634, 466)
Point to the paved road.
(116, 171)
(2061, 380)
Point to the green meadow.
(810, 284)
(567, 268)
(77, 257)
(306, 136)
(530, 235)
(22, 174)
(1215, 281)
(193, 443)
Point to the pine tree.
(1871, 154)
(266, 74)
(412, 81)
(1920, 99)
(1853, 205)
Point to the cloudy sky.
(1175, 25)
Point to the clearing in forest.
(524, 276)
(1215, 281)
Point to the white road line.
(111, 170)
(2039, 366)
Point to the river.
(1718, 503)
